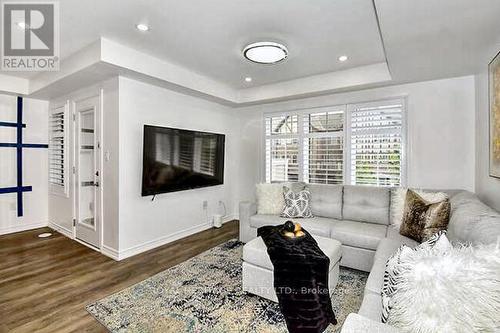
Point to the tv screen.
(177, 159)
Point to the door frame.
(99, 164)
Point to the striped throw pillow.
(393, 268)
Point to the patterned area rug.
(204, 294)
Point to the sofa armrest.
(356, 323)
(247, 209)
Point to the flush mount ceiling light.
(248, 79)
(142, 27)
(265, 52)
(343, 58)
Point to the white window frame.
(347, 108)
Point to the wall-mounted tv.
(178, 159)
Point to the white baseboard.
(22, 227)
(146, 246)
(65, 231)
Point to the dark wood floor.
(46, 283)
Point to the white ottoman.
(258, 277)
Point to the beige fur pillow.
(398, 199)
(422, 219)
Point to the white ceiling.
(422, 40)
(432, 39)
(208, 36)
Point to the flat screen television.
(178, 159)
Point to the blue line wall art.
(19, 189)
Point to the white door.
(87, 171)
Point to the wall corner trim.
(110, 252)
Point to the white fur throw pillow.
(270, 199)
(457, 290)
(393, 268)
(270, 196)
(398, 198)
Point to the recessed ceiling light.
(343, 58)
(142, 27)
(248, 79)
(22, 25)
(265, 52)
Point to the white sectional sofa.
(359, 217)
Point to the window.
(358, 144)
(58, 162)
(323, 147)
(376, 143)
(282, 148)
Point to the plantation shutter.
(323, 146)
(376, 135)
(359, 144)
(282, 148)
(57, 158)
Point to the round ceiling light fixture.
(265, 52)
(142, 27)
(343, 58)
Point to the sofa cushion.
(326, 200)
(320, 226)
(471, 221)
(395, 235)
(371, 307)
(255, 252)
(385, 249)
(366, 204)
(358, 234)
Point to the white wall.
(110, 174)
(145, 223)
(440, 114)
(61, 210)
(34, 165)
(488, 188)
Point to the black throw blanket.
(300, 280)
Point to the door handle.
(96, 184)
